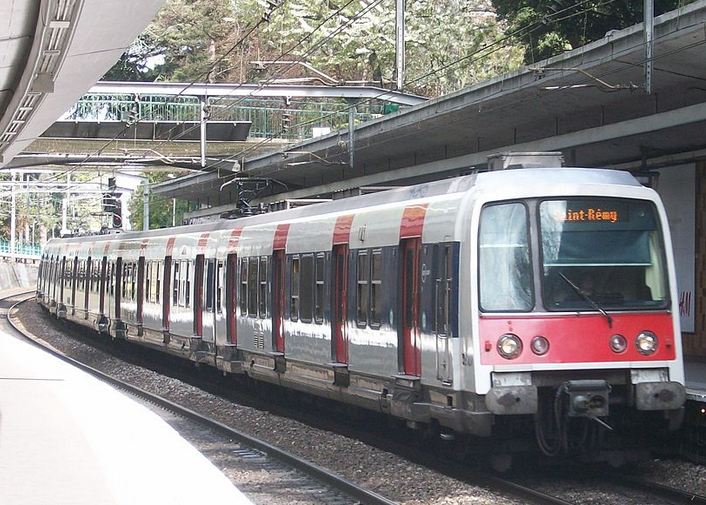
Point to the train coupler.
(587, 398)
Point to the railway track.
(333, 489)
(304, 477)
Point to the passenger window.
(294, 305)
(209, 284)
(219, 284)
(306, 288)
(158, 282)
(252, 287)
(376, 292)
(363, 274)
(243, 287)
(319, 289)
(175, 286)
(187, 285)
(262, 288)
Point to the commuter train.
(536, 301)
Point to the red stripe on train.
(412, 222)
(203, 242)
(280, 241)
(234, 238)
(576, 338)
(170, 246)
(342, 230)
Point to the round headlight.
(618, 343)
(540, 345)
(509, 346)
(646, 342)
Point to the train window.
(210, 267)
(262, 287)
(148, 282)
(319, 289)
(306, 288)
(601, 251)
(187, 283)
(504, 269)
(376, 290)
(133, 281)
(294, 290)
(442, 289)
(219, 286)
(252, 286)
(158, 282)
(363, 276)
(175, 284)
(243, 287)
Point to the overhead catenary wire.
(479, 54)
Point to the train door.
(140, 290)
(278, 268)
(166, 292)
(409, 329)
(103, 283)
(198, 296)
(339, 344)
(209, 288)
(118, 293)
(442, 305)
(231, 298)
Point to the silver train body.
(410, 301)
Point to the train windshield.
(603, 251)
(505, 271)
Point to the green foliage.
(160, 208)
(347, 40)
(549, 27)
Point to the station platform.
(68, 439)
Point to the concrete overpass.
(53, 51)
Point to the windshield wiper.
(590, 300)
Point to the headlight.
(509, 346)
(646, 342)
(618, 343)
(540, 345)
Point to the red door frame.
(278, 269)
(410, 341)
(166, 292)
(232, 297)
(339, 276)
(198, 294)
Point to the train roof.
(524, 177)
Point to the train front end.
(577, 325)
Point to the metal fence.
(269, 117)
(20, 249)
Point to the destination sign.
(592, 214)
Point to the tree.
(549, 27)
(161, 208)
(210, 40)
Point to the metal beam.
(255, 90)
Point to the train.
(530, 303)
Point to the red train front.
(576, 316)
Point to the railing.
(268, 116)
(21, 250)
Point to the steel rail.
(362, 494)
